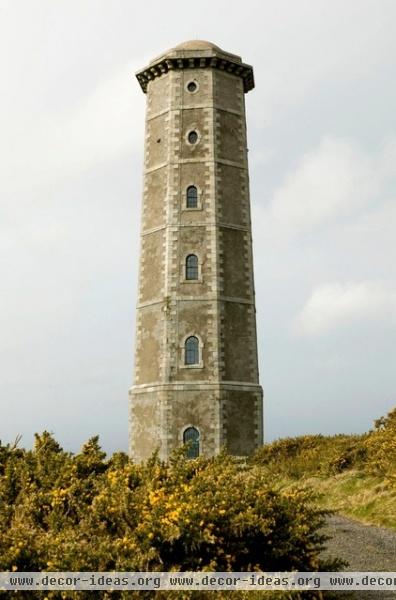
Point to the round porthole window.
(192, 137)
(192, 87)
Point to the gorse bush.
(381, 447)
(311, 455)
(82, 513)
(318, 455)
(60, 512)
(64, 512)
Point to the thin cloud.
(102, 126)
(333, 181)
(335, 305)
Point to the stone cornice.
(192, 59)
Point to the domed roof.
(197, 45)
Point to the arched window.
(191, 354)
(192, 197)
(192, 267)
(191, 438)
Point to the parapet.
(197, 54)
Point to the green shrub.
(350, 457)
(311, 455)
(381, 447)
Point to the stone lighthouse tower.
(196, 375)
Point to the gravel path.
(365, 548)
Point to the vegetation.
(60, 512)
(355, 474)
(64, 512)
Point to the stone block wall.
(220, 395)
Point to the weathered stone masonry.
(219, 395)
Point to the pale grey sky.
(322, 140)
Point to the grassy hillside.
(354, 474)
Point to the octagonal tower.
(196, 370)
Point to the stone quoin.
(196, 370)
